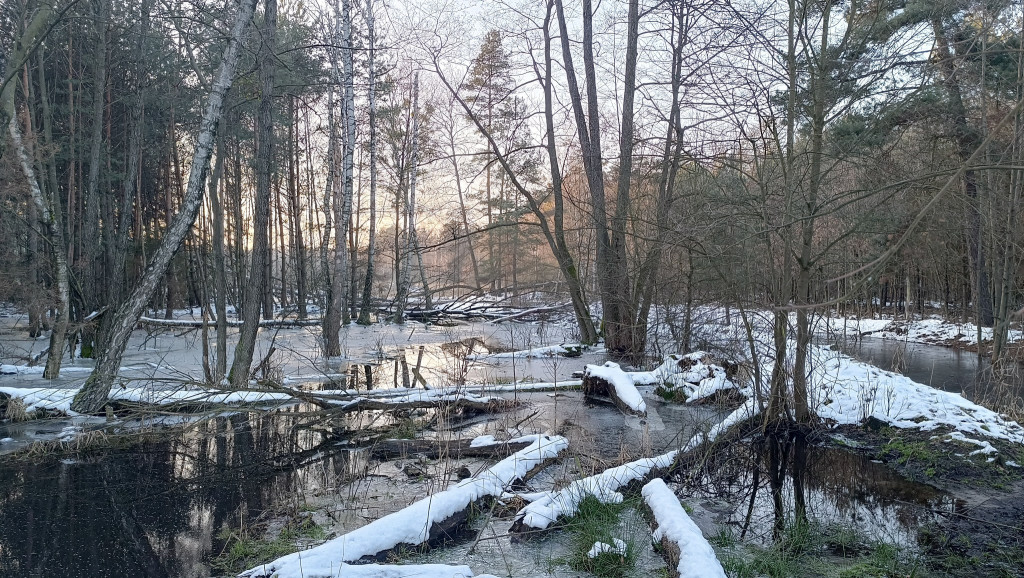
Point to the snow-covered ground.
(932, 330)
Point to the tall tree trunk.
(298, 244)
(410, 207)
(94, 393)
(1004, 314)
(95, 235)
(119, 278)
(555, 237)
(220, 285)
(556, 240)
(671, 159)
(624, 335)
(338, 308)
(254, 294)
(967, 142)
(371, 90)
(612, 274)
(47, 205)
(328, 210)
(819, 76)
(51, 218)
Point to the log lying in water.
(430, 400)
(198, 323)
(434, 449)
(683, 545)
(426, 521)
(546, 512)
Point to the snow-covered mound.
(692, 377)
(932, 330)
(846, 391)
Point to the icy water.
(168, 506)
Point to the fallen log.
(683, 545)
(434, 449)
(453, 402)
(199, 324)
(426, 521)
(554, 507)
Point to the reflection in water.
(760, 488)
(155, 509)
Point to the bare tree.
(254, 293)
(94, 393)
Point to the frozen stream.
(167, 507)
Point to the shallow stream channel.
(213, 494)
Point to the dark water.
(763, 487)
(156, 509)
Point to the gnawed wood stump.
(611, 382)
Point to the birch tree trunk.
(51, 218)
(257, 286)
(338, 309)
(45, 205)
(371, 249)
(94, 393)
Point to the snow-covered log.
(606, 486)
(399, 571)
(198, 323)
(430, 399)
(610, 381)
(423, 522)
(688, 554)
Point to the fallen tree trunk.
(198, 323)
(434, 449)
(456, 402)
(683, 545)
(426, 521)
(554, 507)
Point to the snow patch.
(599, 548)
